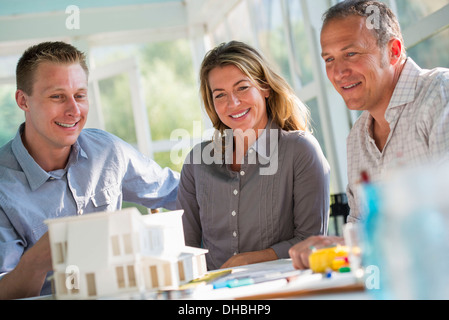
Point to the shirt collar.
(404, 91)
(35, 175)
(262, 145)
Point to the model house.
(111, 253)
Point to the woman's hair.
(283, 106)
(54, 52)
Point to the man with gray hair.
(405, 117)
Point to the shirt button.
(80, 211)
(242, 173)
(233, 213)
(235, 192)
(51, 178)
(234, 234)
(250, 150)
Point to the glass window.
(220, 34)
(120, 273)
(236, 26)
(410, 11)
(8, 65)
(271, 35)
(303, 59)
(91, 285)
(11, 116)
(165, 158)
(240, 24)
(170, 91)
(117, 108)
(316, 125)
(433, 52)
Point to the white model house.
(111, 253)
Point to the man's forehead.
(345, 32)
(59, 76)
(354, 22)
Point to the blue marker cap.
(233, 283)
(240, 282)
(220, 284)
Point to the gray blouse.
(279, 197)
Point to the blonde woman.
(262, 184)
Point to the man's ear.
(22, 99)
(395, 49)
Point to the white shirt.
(418, 114)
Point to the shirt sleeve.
(310, 193)
(146, 183)
(11, 245)
(439, 137)
(186, 200)
(354, 214)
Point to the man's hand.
(300, 252)
(28, 276)
(250, 257)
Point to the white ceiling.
(104, 22)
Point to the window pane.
(117, 108)
(316, 123)
(131, 276)
(433, 52)
(11, 116)
(171, 91)
(120, 273)
(164, 160)
(236, 26)
(410, 11)
(271, 35)
(302, 52)
(240, 24)
(168, 82)
(8, 65)
(220, 34)
(91, 286)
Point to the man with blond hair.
(55, 168)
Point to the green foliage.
(117, 108)
(171, 91)
(163, 159)
(10, 114)
(432, 52)
(302, 53)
